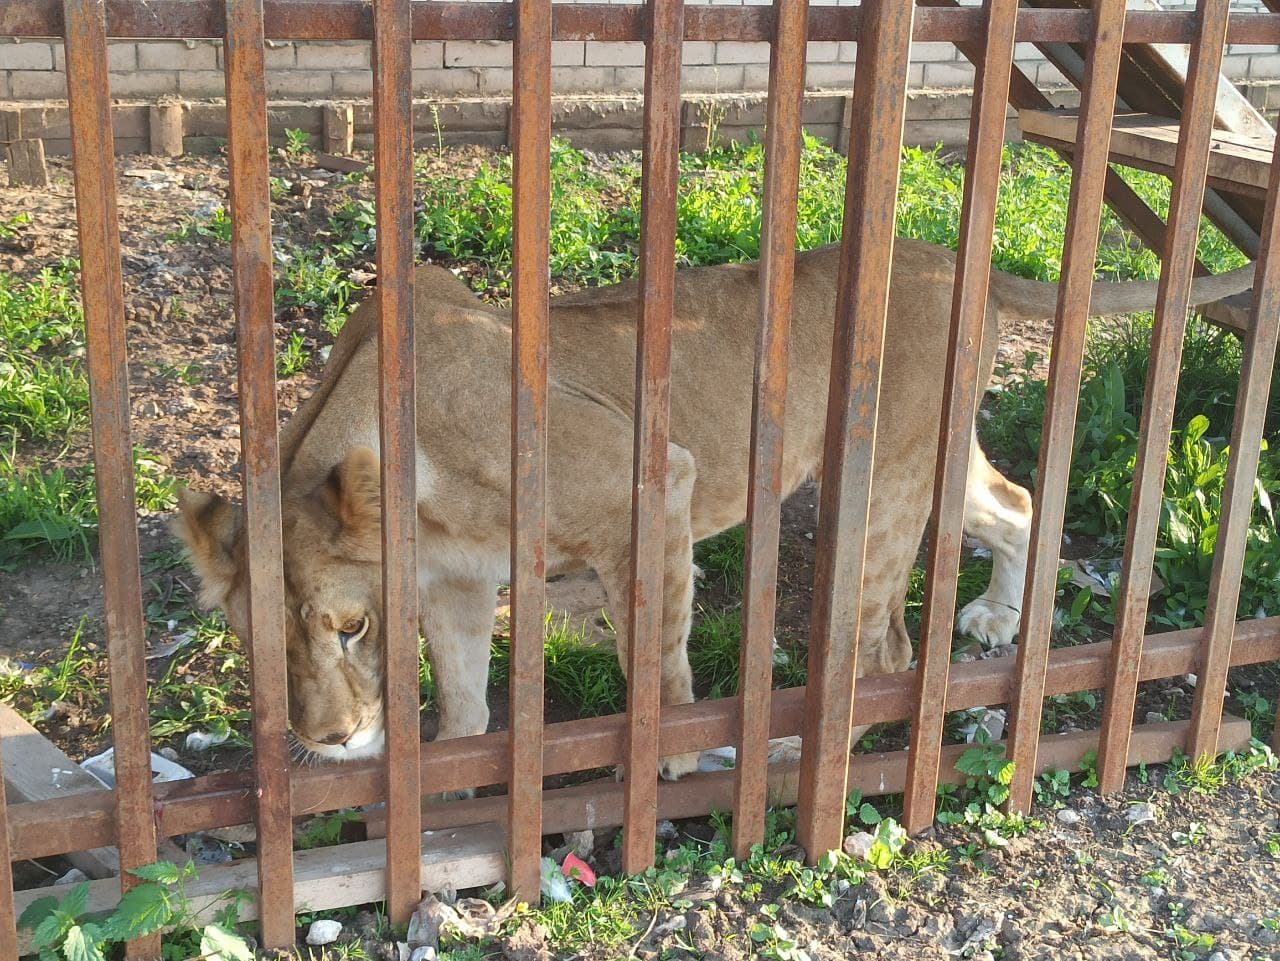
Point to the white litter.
(103, 767)
(990, 720)
(717, 759)
(203, 740)
(553, 885)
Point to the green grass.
(43, 393)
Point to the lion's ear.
(206, 525)
(353, 492)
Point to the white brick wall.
(31, 70)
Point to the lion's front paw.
(992, 623)
(784, 750)
(676, 767)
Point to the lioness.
(331, 482)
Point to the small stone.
(170, 754)
(1140, 813)
(1190, 680)
(1068, 816)
(581, 843)
(74, 876)
(1155, 717)
(859, 845)
(424, 953)
(667, 831)
(323, 932)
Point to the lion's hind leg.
(998, 513)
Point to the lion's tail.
(1022, 299)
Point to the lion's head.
(333, 599)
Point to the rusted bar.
(250, 196)
(85, 820)
(531, 205)
(349, 20)
(960, 401)
(1162, 381)
(1084, 216)
(879, 109)
(594, 805)
(8, 916)
(1242, 472)
(102, 287)
(663, 55)
(393, 161)
(764, 490)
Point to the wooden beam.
(35, 770)
(324, 878)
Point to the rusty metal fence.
(137, 812)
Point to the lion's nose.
(337, 737)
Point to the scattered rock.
(859, 845)
(1068, 816)
(74, 876)
(667, 831)
(323, 932)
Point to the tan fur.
(331, 534)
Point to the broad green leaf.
(143, 910)
(77, 900)
(868, 815)
(37, 911)
(162, 872)
(52, 930)
(219, 944)
(83, 944)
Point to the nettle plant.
(66, 930)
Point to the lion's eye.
(352, 631)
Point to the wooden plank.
(35, 770)
(324, 878)
(1238, 487)
(1143, 140)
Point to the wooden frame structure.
(137, 813)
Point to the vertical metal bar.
(875, 148)
(663, 55)
(531, 186)
(1242, 471)
(1084, 216)
(393, 162)
(960, 398)
(8, 913)
(250, 194)
(764, 492)
(1162, 380)
(102, 288)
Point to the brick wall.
(191, 70)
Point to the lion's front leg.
(677, 599)
(457, 621)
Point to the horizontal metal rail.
(352, 20)
(86, 820)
